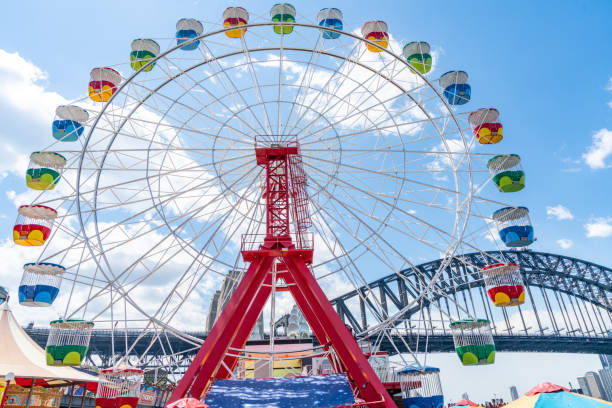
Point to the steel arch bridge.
(568, 309)
(571, 277)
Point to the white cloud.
(26, 110)
(559, 212)
(599, 228)
(600, 149)
(565, 243)
(491, 234)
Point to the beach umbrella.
(466, 403)
(187, 403)
(547, 395)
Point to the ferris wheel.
(154, 187)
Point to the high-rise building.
(222, 297)
(595, 385)
(297, 325)
(212, 311)
(230, 283)
(513, 393)
(606, 380)
(584, 386)
(606, 359)
(465, 396)
(495, 403)
(258, 330)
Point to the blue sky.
(547, 66)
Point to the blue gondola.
(332, 18)
(514, 226)
(421, 387)
(68, 125)
(456, 89)
(40, 284)
(186, 29)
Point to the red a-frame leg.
(204, 366)
(369, 386)
(244, 331)
(236, 322)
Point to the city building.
(513, 393)
(595, 385)
(220, 299)
(297, 325)
(576, 390)
(605, 374)
(606, 359)
(494, 403)
(582, 382)
(212, 311)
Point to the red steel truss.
(285, 257)
(299, 193)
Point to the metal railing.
(252, 242)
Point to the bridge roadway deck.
(101, 343)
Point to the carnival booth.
(68, 341)
(473, 341)
(33, 224)
(514, 226)
(314, 391)
(40, 283)
(485, 125)
(144, 50)
(507, 173)
(68, 123)
(22, 365)
(40, 397)
(285, 13)
(421, 387)
(332, 18)
(103, 83)
(504, 284)
(44, 170)
(417, 53)
(456, 89)
(186, 29)
(235, 17)
(119, 387)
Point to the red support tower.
(286, 257)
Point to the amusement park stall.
(31, 382)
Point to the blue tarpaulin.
(317, 391)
